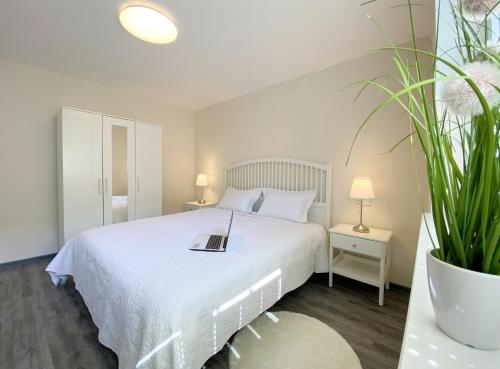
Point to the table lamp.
(361, 189)
(202, 181)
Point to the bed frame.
(287, 174)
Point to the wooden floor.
(48, 327)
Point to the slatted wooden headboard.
(287, 174)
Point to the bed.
(158, 305)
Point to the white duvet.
(159, 305)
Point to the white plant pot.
(466, 303)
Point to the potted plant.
(455, 122)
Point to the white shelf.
(375, 234)
(425, 345)
(204, 205)
(359, 268)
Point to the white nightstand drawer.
(359, 245)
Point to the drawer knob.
(354, 245)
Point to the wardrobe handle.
(99, 186)
(138, 187)
(106, 186)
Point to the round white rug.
(285, 340)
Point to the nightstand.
(365, 257)
(194, 205)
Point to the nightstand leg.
(381, 296)
(330, 279)
(388, 266)
(381, 281)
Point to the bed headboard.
(287, 174)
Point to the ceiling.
(225, 48)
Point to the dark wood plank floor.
(48, 327)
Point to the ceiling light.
(148, 24)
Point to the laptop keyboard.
(214, 242)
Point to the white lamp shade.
(202, 180)
(362, 188)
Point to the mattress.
(159, 305)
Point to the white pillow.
(240, 200)
(289, 205)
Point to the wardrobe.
(109, 171)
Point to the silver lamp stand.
(361, 228)
(201, 201)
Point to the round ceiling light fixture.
(148, 24)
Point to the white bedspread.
(159, 305)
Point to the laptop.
(212, 242)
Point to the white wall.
(312, 119)
(29, 101)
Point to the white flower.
(478, 7)
(461, 99)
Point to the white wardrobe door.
(148, 166)
(80, 135)
(118, 169)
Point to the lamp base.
(202, 201)
(361, 228)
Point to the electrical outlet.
(367, 202)
(211, 188)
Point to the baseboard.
(25, 261)
(400, 287)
